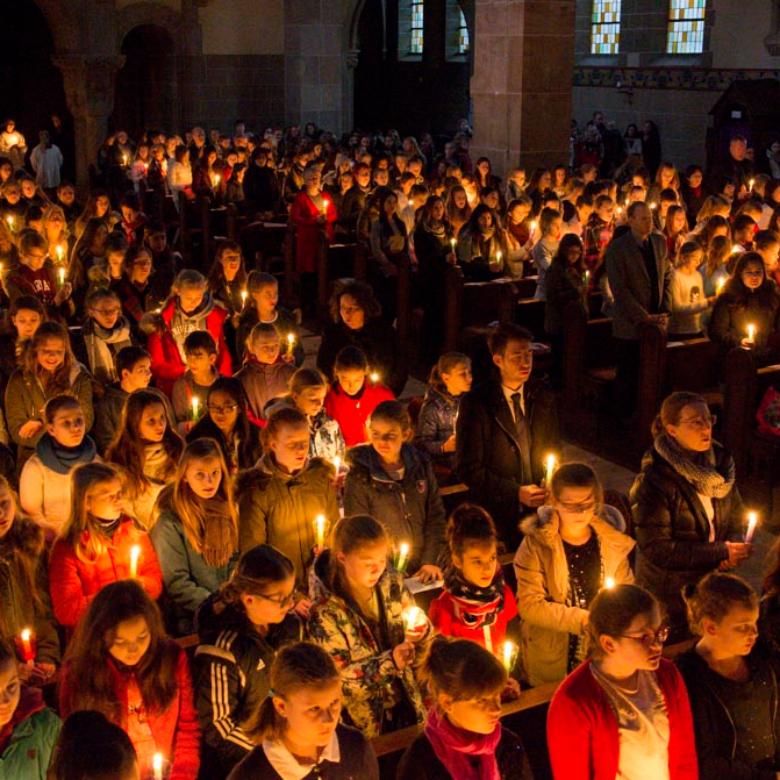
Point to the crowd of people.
(210, 547)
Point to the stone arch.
(185, 36)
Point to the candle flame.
(609, 583)
(413, 617)
(26, 635)
(508, 650)
(374, 377)
(157, 766)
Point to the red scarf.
(454, 747)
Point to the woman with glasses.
(625, 711)
(686, 506)
(732, 678)
(749, 298)
(572, 548)
(240, 628)
(226, 422)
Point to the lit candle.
(61, 276)
(11, 221)
(587, 278)
(125, 160)
(719, 286)
(499, 255)
(752, 522)
(750, 184)
(195, 407)
(403, 557)
(135, 555)
(60, 252)
(290, 343)
(619, 210)
(374, 377)
(550, 464)
(325, 204)
(28, 650)
(509, 652)
(533, 228)
(751, 333)
(244, 295)
(414, 619)
(216, 180)
(319, 530)
(736, 249)
(337, 464)
(653, 205)
(157, 766)
(609, 583)
(453, 243)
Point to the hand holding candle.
(135, 556)
(752, 522)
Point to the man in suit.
(506, 427)
(639, 276)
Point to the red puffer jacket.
(175, 731)
(74, 582)
(167, 364)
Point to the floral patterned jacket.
(368, 672)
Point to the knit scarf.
(156, 462)
(219, 539)
(63, 460)
(182, 324)
(699, 469)
(97, 340)
(455, 748)
(475, 607)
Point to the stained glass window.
(605, 27)
(686, 26)
(463, 34)
(416, 28)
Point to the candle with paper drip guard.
(752, 523)
(290, 343)
(403, 557)
(751, 333)
(414, 619)
(508, 655)
(195, 408)
(319, 530)
(157, 766)
(550, 464)
(27, 643)
(135, 556)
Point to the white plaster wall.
(243, 27)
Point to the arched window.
(458, 43)
(464, 44)
(605, 27)
(685, 33)
(411, 15)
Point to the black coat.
(715, 728)
(672, 532)
(488, 457)
(420, 762)
(380, 343)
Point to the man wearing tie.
(506, 427)
(639, 276)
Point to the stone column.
(89, 91)
(521, 89)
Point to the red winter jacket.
(351, 412)
(442, 614)
(309, 230)
(582, 731)
(167, 365)
(176, 732)
(74, 583)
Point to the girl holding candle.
(308, 388)
(463, 736)
(353, 396)
(262, 306)
(625, 711)
(96, 543)
(192, 387)
(449, 380)
(689, 303)
(44, 484)
(146, 448)
(714, 269)
(240, 629)
(569, 551)
(297, 728)
(279, 498)
(357, 616)
(731, 675)
(28, 728)
(225, 419)
(389, 478)
(227, 281)
(196, 535)
(749, 297)
(687, 510)
(481, 246)
(48, 369)
(121, 663)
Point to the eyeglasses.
(109, 312)
(700, 423)
(279, 601)
(577, 508)
(226, 409)
(650, 638)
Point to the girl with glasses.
(625, 711)
(732, 677)
(687, 509)
(240, 628)
(572, 548)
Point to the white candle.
(319, 530)
(61, 275)
(337, 464)
(157, 766)
(216, 180)
(736, 249)
(195, 407)
(750, 184)
(751, 333)
(587, 278)
(453, 243)
(719, 286)
(290, 343)
(135, 555)
(752, 519)
(10, 220)
(609, 583)
(550, 464)
(499, 255)
(414, 619)
(653, 206)
(403, 556)
(244, 295)
(325, 204)
(533, 228)
(60, 252)
(509, 649)
(125, 160)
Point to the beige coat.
(543, 599)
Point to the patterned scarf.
(698, 469)
(220, 538)
(475, 607)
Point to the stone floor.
(613, 476)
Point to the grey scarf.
(700, 470)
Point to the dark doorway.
(30, 85)
(146, 93)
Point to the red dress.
(304, 215)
